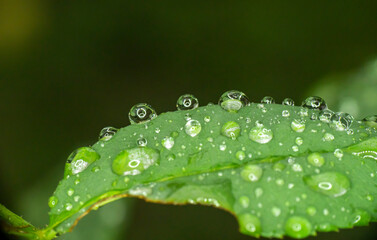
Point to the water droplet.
(298, 125)
(107, 133)
(240, 155)
(261, 135)
(268, 100)
(171, 157)
(311, 211)
(193, 127)
(279, 166)
(361, 218)
(333, 184)
(251, 173)
(70, 192)
(207, 118)
(316, 159)
(231, 130)
(245, 201)
(174, 134)
(141, 112)
(52, 201)
(325, 115)
(134, 161)
(222, 147)
(96, 169)
(68, 206)
(298, 227)
(371, 121)
(187, 102)
(288, 102)
(295, 148)
(258, 192)
(233, 100)
(276, 211)
(338, 153)
(314, 102)
(328, 137)
(79, 160)
(142, 142)
(341, 121)
(299, 141)
(303, 112)
(285, 113)
(249, 224)
(168, 142)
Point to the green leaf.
(279, 173)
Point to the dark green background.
(69, 68)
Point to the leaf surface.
(283, 173)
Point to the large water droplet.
(371, 121)
(298, 125)
(333, 184)
(298, 227)
(316, 159)
(268, 100)
(249, 224)
(134, 161)
(168, 142)
(52, 201)
(141, 112)
(107, 133)
(233, 100)
(261, 134)
(193, 127)
(341, 121)
(79, 160)
(288, 102)
(187, 102)
(314, 102)
(251, 173)
(231, 130)
(361, 218)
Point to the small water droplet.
(249, 224)
(96, 169)
(298, 125)
(333, 184)
(240, 155)
(142, 142)
(276, 211)
(278, 167)
(325, 115)
(231, 130)
(233, 100)
(258, 192)
(70, 192)
(168, 142)
(134, 161)
(328, 137)
(251, 173)
(107, 133)
(299, 141)
(222, 147)
(316, 159)
(170, 157)
(245, 201)
(68, 206)
(338, 153)
(141, 112)
(261, 135)
(268, 100)
(311, 211)
(207, 118)
(314, 102)
(193, 127)
(52, 201)
(187, 102)
(288, 102)
(79, 160)
(298, 227)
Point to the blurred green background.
(69, 68)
